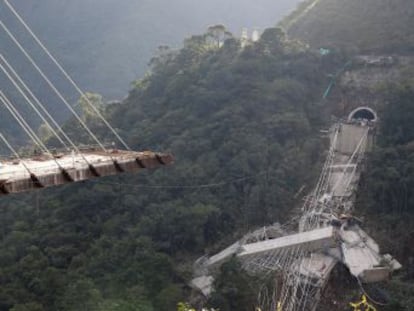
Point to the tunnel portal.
(363, 113)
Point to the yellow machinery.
(363, 305)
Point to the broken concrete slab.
(311, 241)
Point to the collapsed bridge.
(326, 233)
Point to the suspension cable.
(13, 81)
(26, 127)
(64, 72)
(52, 86)
(44, 110)
(22, 122)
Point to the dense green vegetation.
(244, 124)
(379, 26)
(244, 127)
(386, 195)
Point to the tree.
(81, 295)
(218, 34)
(86, 102)
(45, 132)
(273, 41)
(234, 290)
(33, 306)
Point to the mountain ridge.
(372, 26)
(107, 46)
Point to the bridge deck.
(44, 171)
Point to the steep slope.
(385, 199)
(387, 189)
(382, 26)
(244, 126)
(107, 44)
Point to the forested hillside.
(379, 26)
(106, 44)
(244, 126)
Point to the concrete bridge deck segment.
(20, 175)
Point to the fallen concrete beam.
(309, 241)
(375, 275)
(361, 254)
(204, 284)
(315, 269)
(218, 259)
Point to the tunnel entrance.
(363, 113)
